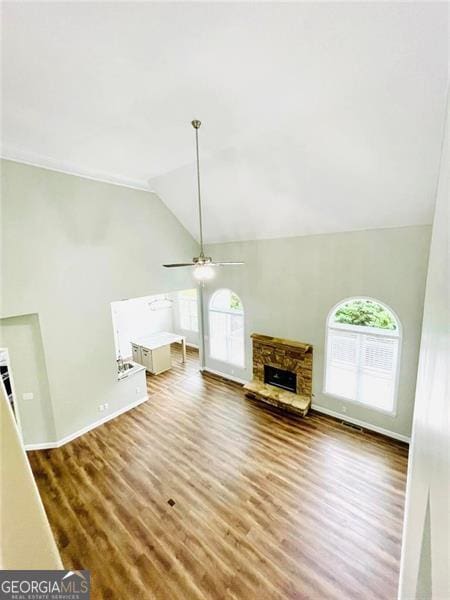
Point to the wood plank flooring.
(265, 506)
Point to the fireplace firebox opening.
(286, 380)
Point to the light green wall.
(288, 287)
(22, 336)
(71, 246)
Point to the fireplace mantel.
(287, 355)
(268, 340)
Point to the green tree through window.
(235, 302)
(365, 313)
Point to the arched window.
(362, 353)
(226, 328)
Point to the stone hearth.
(287, 355)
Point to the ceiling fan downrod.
(203, 265)
(196, 125)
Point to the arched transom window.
(362, 353)
(226, 328)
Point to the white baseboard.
(72, 436)
(223, 375)
(42, 446)
(320, 409)
(363, 424)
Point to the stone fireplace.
(282, 373)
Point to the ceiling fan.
(203, 265)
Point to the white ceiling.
(317, 117)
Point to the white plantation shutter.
(218, 335)
(378, 367)
(379, 353)
(342, 368)
(344, 347)
(236, 339)
(187, 311)
(362, 366)
(226, 329)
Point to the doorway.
(7, 383)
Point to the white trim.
(202, 318)
(15, 400)
(227, 312)
(233, 314)
(363, 424)
(224, 375)
(373, 331)
(67, 168)
(42, 446)
(391, 333)
(76, 434)
(371, 299)
(221, 310)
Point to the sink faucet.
(120, 364)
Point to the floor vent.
(352, 426)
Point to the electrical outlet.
(101, 407)
(28, 396)
(106, 406)
(344, 409)
(138, 389)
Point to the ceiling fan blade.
(190, 264)
(225, 263)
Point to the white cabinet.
(137, 358)
(147, 359)
(156, 360)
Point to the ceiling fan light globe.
(203, 272)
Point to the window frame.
(226, 312)
(362, 329)
(180, 301)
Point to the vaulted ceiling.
(317, 117)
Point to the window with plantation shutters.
(226, 328)
(362, 351)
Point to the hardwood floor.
(265, 506)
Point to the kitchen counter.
(130, 371)
(160, 339)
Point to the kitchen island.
(153, 351)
